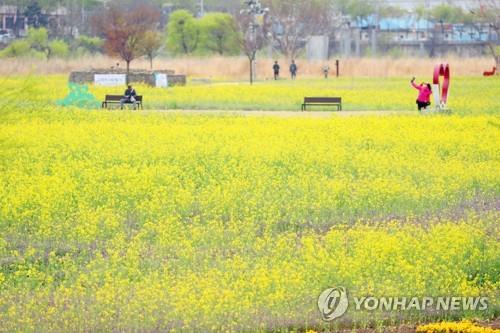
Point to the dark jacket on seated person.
(129, 93)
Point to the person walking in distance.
(293, 70)
(326, 70)
(276, 70)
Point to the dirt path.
(290, 114)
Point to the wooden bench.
(115, 99)
(323, 101)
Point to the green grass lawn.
(468, 95)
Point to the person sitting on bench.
(128, 97)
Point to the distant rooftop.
(412, 4)
(410, 23)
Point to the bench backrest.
(112, 98)
(322, 100)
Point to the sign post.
(161, 80)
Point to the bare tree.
(251, 40)
(124, 28)
(489, 13)
(294, 21)
(151, 42)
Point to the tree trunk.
(16, 24)
(151, 63)
(251, 70)
(374, 41)
(128, 71)
(358, 43)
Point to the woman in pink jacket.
(424, 94)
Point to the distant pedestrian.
(424, 94)
(326, 70)
(293, 70)
(276, 70)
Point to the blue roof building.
(411, 27)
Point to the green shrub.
(17, 48)
(58, 49)
(87, 44)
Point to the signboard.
(110, 80)
(161, 80)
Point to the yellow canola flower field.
(148, 222)
(461, 327)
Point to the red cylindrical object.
(444, 71)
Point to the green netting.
(79, 96)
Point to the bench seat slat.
(324, 101)
(111, 98)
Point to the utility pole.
(202, 8)
(374, 30)
(82, 16)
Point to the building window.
(9, 23)
(20, 23)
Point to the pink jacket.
(424, 94)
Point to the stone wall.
(135, 76)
